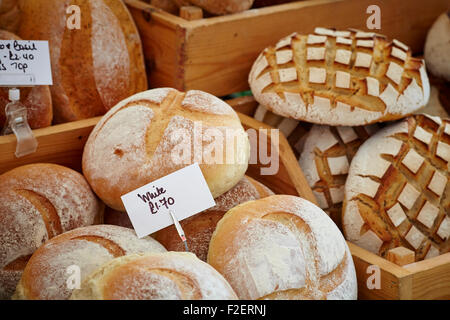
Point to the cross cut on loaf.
(343, 78)
(325, 159)
(144, 138)
(282, 247)
(397, 191)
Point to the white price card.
(184, 192)
(25, 63)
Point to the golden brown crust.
(199, 228)
(38, 202)
(93, 68)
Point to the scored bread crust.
(94, 67)
(219, 7)
(199, 228)
(45, 277)
(140, 139)
(325, 160)
(168, 276)
(397, 192)
(282, 247)
(36, 99)
(38, 202)
(339, 78)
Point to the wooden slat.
(431, 278)
(216, 54)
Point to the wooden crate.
(63, 144)
(216, 54)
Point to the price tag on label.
(184, 192)
(25, 63)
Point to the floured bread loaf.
(93, 67)
(46, 275)
(397, 192)
(218, 7)
(437, 47)
(198, 229)
(156, 132)
(37, 99)
(325, 160)
(340, 78)
(38, 202)
(282, 247)
(163, 276)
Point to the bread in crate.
(218, 7)
(325, 161)
(344, 78)
(397, 192)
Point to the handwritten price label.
(24, 63)
(185, 192)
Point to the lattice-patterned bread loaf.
(156, 132)
(345, 78)
(46, 275)
(199, 228)
(325, 160)
(282, 247)
(397, 191)
(155, 276)
(38, 202)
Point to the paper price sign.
(24, 63)
(184, 192)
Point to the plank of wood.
(431, 278)
(191, 13)
(216, 54)
(395, 281)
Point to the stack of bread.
(345, 100)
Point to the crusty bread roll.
(198, 229)
(325, 160)
(282, 247)
(156, 132)
(437, 47)
(397, 192)
(340, 78)
(37, 99)
(218, 7)
(163, 276)
(38, 202)
(93, 68)
(46, 276)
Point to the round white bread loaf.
(325, 160)
(397, 192)
(437, 47)
(164, 276)
(339, 78)
(38, 202)
(282, 247)
(151, 135)
(46, 275)
(199, 228)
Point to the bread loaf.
(282, 247)
(153, 133)
(325, 160)
(218, 7)
(37, 99)
(340, 78)
(46, 276)
(93, 68)
(437, 47)
(198, 229)
(397, 192)
(163, 276)
(38, 202)
(9, 15)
